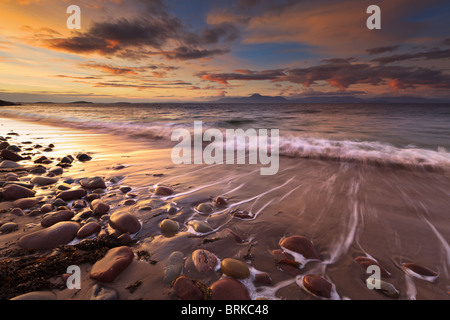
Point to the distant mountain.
(79, 102)
(255, 98)
(8, 103)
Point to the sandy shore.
(394, 217)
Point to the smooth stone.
(52, 218)
(47, 208)
(229, 289)
(171, 208)
(91, 197)
(99, 207)
(200, 226)
(63, 186)
(79, 204)
(17, 212)
(205, 208)
(36, 295)
(235, 268)
(93, 183)
(128, 202)
(43, 159)
(99, 292)
(56, 170)
(11, 155)
(366, 262)
(72, 194)
(125, 189)
(49, 238)
(59, 203)
(83, 157)
(8, 164)
(186, 289)
(420, 270)
(8, 227)
(317, 285)
(26, 203)
(125, 222)
(220, 202)
(113, 263)
(39, 170)
(300, 245)
(13, 192)
(386, 288)
(88, 229)
(4, 145)
(43, 181)
(263, 278)
(173, 267)
(169, 226)
(163, 191)
(204, 261)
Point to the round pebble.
(204, 261)
(235, 268)
(169, 226)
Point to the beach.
(392, 212)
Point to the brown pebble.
(204, 261)
(300, 245)
(186, 289)
(229, 289)
(421, 270)
(317, 285)
(365, 262)
(112, 264)
(163, 191)
(88, 229)
(56, 217)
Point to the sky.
(204, 50)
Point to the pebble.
(205, 208)
(79, 204)
(200, 226)
(11, 155)
(125, 189)
(72, 194)
(163, 191)
(56, 170)
(64, 186)
(365, 262)
(39, 170)
(220, 202)
(386, 288)
(59, 203)
(13, 192)
(229, 289)
(99, 207)
(420, 270)
(169, 226)
(91, 197)
(43, 181)
(113, 263)
(204, 261)
(317, 285)
(49, 238)
(173, 267)
(36, 295)
(125, 222)
(43, 159)
(93, 183)
(26, 203)
(17, 212)
(83, 157)
(172, 208)
(8, 227)
(52, 218)
(99, 292)
(47, 208)
(235, 268)
(300, 245)
(8, 164)
(263, 278)
(186, 289)
(88, 229)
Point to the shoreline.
(305, 198)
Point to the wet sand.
(347, 210)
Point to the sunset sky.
(201, 50)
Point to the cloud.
(246, 75)
(427, 55)
(379, 50)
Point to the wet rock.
(200, 226)
(93, 183)
(205, 208)
(163, 191)
(17, 212)
(4, 145)
(173, 267)
(59, 203)
(8, 227)
(365, 262)
(386, 288)
(13, 192)
(420, 270)
(83, 157)
(40, 170)
(36, 295)
(186, 289)
(229, 289)
(46, 208)
(220, 202)
(8, 164)
(57, 171)
(235, 268)
(99, 292)
(56, 217)
(26, 203)
(113, 263)
(125, 189)
(66, 160)
(317, 285)
(171, 208)
(300, 245)
(169, 226)
(49, 238)
(204, 261)
(263, 278)
(242, 214)
(99, 207)
(88, 229)
(72, 194)
(235, 235)
(79, 204)
(43, 181)
(43, 160)
(128, 202)
(125, 222)
(11, 155)
(91, 197)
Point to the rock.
(59, 203)
(113, 263)
(173, 267)
(46, 208)
(204, 261)
(169, 226)
(220, 202)
(13, 192)
(99, 292)
(67, 160)
(186, 289)
(171, 208)
(263, 278)
(128, 202)
(43, 159)
(26, 203)
(420, 270)
(43, 181)
(205, 208)
(88, 229)
(36, 295)
(83, 157)
(63, 186)
(300, 245)
(11, 155)
(93, 183)
(72, 194)
(17, 212)
(8, 227)
(235, 235)
(163, 191)
(125, 189)
(4, 145)
(56, 170)
(79, 204)
(49, 238)
(386, 288)
(99, 207)
(235, 268)
(56, 217)
(125, 222)
(39, 170)
(200, 226)
(8, 164)
(317, 285)
(365, 262)
(229, 289)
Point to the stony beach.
(140, 227)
